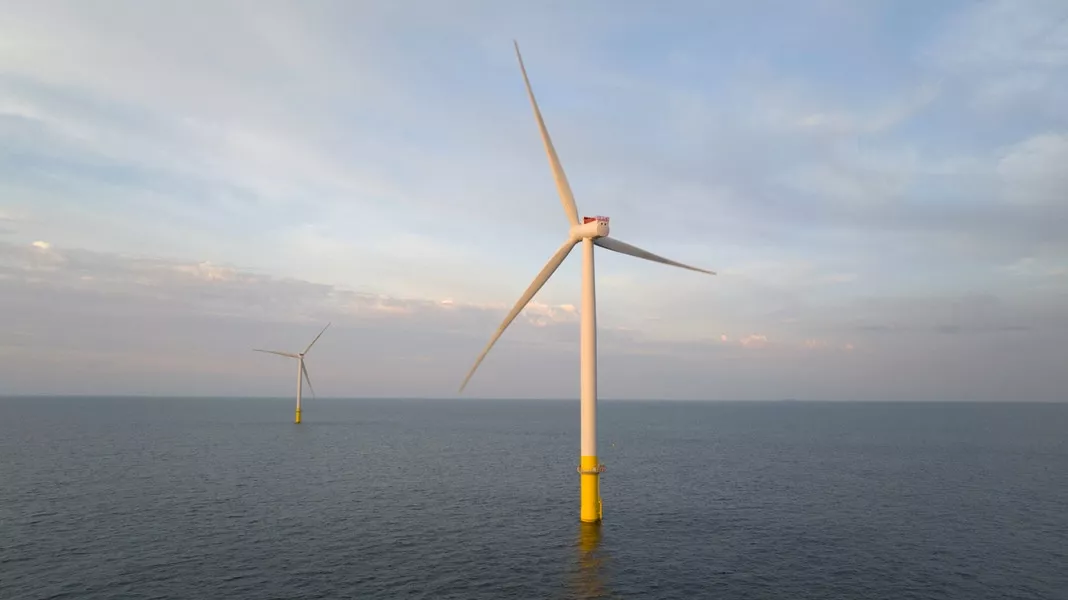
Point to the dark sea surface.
(227, 498)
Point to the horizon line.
(529, 399)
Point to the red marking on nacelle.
(592, 219)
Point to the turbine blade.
(304, 370)
(625, 248)
(288, 354)
(562, 187)
(546, 272)
(316, 339)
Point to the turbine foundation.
(590, 489)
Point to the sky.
(880, 186)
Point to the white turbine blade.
(289, 354)
(625, 248)
(546, 272)
(562, 187)
(316, 339)
(307, 378)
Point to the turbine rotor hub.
(591, 227)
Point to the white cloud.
(206, 271)
(1000, 93)
(1009, 56)
(299, 143)
(178, 318)
(754, 340)
(1005, 34)
(237, 292)
(841, 123)
(1033, 171)
(1042, 272)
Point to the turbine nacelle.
(591, 227)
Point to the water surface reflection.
(589, 579)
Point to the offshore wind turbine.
(590, 231)
(302, 371)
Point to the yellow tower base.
(297, 420)
(590, 489)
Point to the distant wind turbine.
(302, 371)
(591, 231)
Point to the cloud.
(1002, 34)
(8, 221)
(885, 118)
(1046, 270)
(849, 175)
(978, 315)
(140, 316)
(754, 341)
(206, 271)
(271, 156)
(1033, 173)
(109, 323)
(1007, 56)
(232, 292)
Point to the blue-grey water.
(226, 498)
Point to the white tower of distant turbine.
(591, 231)
(302, 371)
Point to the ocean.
(227, 498)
